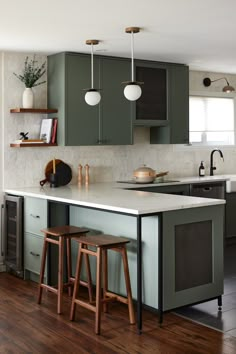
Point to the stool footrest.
(81, 282)
(50, 288)
(85, 304)
(116, 297)
(50, 240)
(87, 251)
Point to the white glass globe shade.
(92, 97)
(132, 92)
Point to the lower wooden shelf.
(21, 145)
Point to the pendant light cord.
(132, 56)
(92, 66)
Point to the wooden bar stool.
(102, 243)
(57, 235)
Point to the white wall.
(25, 167)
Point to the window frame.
(215, 95)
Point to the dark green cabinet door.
(82, 120)
(110, 122)
(116, 114)
(177, 131)
(179, 104)
(192, 255)
(56, 91)
(230, 220)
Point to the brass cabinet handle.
(34, 254)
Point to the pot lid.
(144, 168)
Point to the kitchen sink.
(231, 184)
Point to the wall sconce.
(132, 90)
(207, 82)
(92, 96)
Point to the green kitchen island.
(176, 249)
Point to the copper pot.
(146, 174)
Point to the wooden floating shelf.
(33, 110)
(21, 145)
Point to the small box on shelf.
(20, 145)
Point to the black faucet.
(212, 168)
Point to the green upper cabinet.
(116, 110)
(110, 122)
(177, 129)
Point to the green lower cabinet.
(108, 123)
(33, 246)
(192, 255)
(230, 220)
(35, 215)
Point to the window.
(211, 120)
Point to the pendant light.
(92, 96)
(132, 90)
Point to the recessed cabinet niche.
(151, 107)
(110, 122)
(176, 131)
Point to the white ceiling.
(200, 33)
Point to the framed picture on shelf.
(46, 130)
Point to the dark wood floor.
(26, 327)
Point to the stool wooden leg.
(98, 291)
(76, 283)
(89, 277)
(60, 275)
(42, 270)
(69, 270)
(128, 286)
(105, 278)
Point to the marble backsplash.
(25, 167)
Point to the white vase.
(28, 98)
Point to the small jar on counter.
(80, 174)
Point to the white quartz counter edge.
(107, 196)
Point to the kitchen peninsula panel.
(144, 218)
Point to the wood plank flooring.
(26, 327)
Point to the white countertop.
(111, 196)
